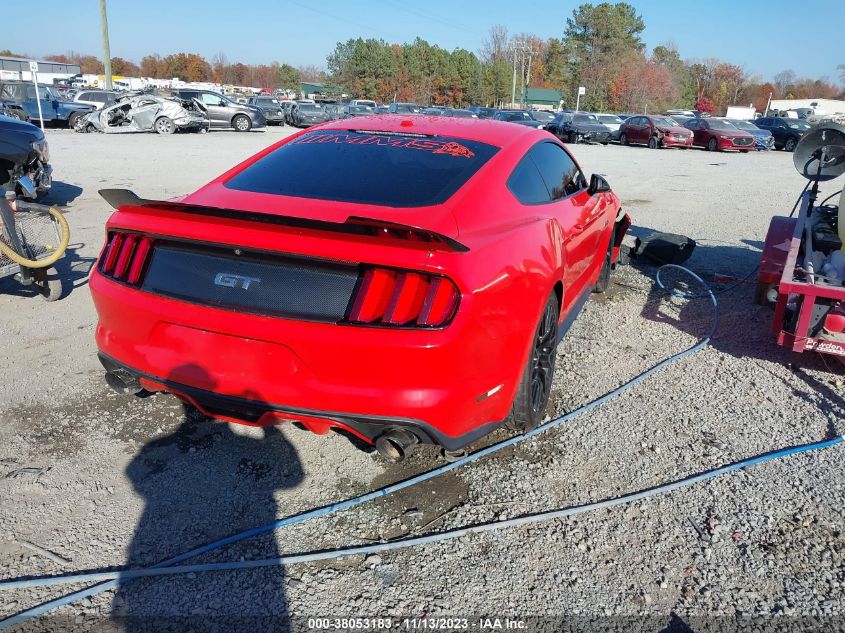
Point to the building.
(543, 98)
(827, 106)
(18, 68)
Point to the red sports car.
(654, 131)
(401, 279)
(718, 134)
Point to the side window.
(83, 96)
(210, 99)
(692, 124)
(559, 171)
(526, 184)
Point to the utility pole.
(104, 24)
(527, 78)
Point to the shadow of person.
(204, 481)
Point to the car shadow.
(201, 482)
(744, 329)
(61, 193)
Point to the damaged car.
(24, 159)
(146, 113)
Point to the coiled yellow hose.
(64, 238)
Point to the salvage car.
(53, 109)
(400, 279)
(24, 159)
(654, 131)
(613, 122)
(404, 108)
(717, 135)
(579, 127)
(307, 114)
(349, 111)
(483, 112)
(13, 110)
(224, 112)
(143, 112)
(520, 117)
(271, 107)
(763, 139)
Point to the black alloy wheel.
(543, 358)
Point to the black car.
(482, 112)
(349, 111)
(306, 114)
(271, 107)
(404, 108)
(543, 116)
(787, 132)
(24, 158)
(578, 127)
(520, 117)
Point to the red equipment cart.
(801, 268)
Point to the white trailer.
(746, 113)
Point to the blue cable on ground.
(349, 503)
(420, 540)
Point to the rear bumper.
(260, 413)
(364, 379)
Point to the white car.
(96, 98)
(612, 121)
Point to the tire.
(604, 276)
(744, 151)
(241, 123)
(164, 125)
(790, 144)
(49, 284)
(712, 145)
(653, 143)
(72, 119)
(623, 139)
(532, 396)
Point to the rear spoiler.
(353, 225)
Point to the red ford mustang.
(401, 280)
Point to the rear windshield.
(395, 170)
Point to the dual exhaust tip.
(394, 445)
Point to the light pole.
(104, 24)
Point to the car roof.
(483, 130)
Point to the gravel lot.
(106, 482)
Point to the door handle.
(577, 229)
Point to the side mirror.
(598, 185)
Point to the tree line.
(601, 48)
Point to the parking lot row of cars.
(201, 110)
(659, 131)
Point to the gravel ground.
(103, 481)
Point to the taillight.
(403, 299)
(125, 257)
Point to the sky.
(764, 37)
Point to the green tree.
(597, 37)
(288, 77)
